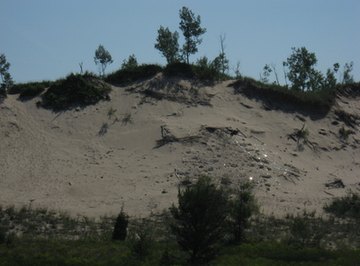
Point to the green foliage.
(29, 90)
(199, 220)
(6, 79)
(130, 63)
(91, 253)
(102, 58)
(192, 30)
(345, 207)
(242, 207)
(347, 76)
(167, 43)
(75, 90)
(129, 75)
(302, 74)
(120, 228)
(266, 74)
(206, 70)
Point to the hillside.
(137, 147)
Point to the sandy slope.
(85, 161)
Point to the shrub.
(130, 63)
(345, 207)
(120, 228)
(75, 90)
(306, 230)
(128, 75)
(143, 239)
(199, 220)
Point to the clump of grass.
(43, 223)
(103, 129)
(345, 207)
(75, 90)
(111, 112)
(345, 133)
(301, 136)
(127, 119)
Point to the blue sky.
(47, 39)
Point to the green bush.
(75, 90)
(132, 74)
(345, 207)
(199, 220)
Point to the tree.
(102, 58)
(264, 77)
(302, 74)
(199, 219)
(120, 228)
(347, 77)
(167, 43)
(220, 64)
(191, 29)
(6, 79)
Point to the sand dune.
(137, 147)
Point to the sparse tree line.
(299, 69)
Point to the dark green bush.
(345, 207)
(319, 101)
(132, 74)
(199, 220)
(120, 228)
(75, 90)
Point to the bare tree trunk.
(275, 72)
